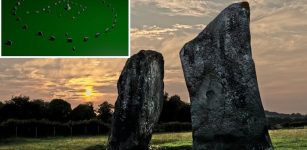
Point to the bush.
(300, 124)
(173, 127)
(44, 128)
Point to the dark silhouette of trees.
(175, 110)
(16, 108)
(174, 105)
(83, 112)
(164, 114)
(105, 112)
(59, 110)
(9, 110)
(20, 107)
(38, 109)
(185, 113)
(175, 113)
(1, 104)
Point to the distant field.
(294, 139)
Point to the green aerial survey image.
(65, 28)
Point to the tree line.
(21, 116)
(58, 110)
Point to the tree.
(83, 112)
(164, 114)
(8, 111)
(185, 113)
(20, 104)
(174, 105)
(105, 112)
(38, 109)
(174, 109)
(16, 108)
(59, 110)
(1, 104)
(165, 97)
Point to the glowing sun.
(88, 92)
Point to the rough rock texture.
(139, 103)
(226, 107)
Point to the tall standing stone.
(139, 102)
(226, 107)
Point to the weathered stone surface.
(226, 107)
(139, 102)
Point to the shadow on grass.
(16, 141)
(101, 147)
(96, 147)
(173, 148)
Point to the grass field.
(294, 139)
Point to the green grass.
(282, 140)
(58, 143)
(289, 139)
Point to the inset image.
(65, 28)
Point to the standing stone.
(226, 108)
(139, 102)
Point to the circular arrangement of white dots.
(67, 6)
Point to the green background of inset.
(96, 18)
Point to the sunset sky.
(279, 46)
